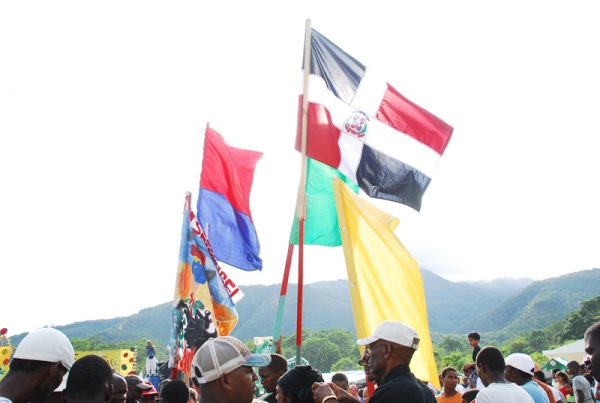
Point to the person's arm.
(579, 396)
(597, 391)
(330, 393)
(278, 345)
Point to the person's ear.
(109, 393)
(226, 382)
(53, 368)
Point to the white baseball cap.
(48, 345)
(396, 332)
(222, 355)
(522, 362)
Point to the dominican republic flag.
(223, 202)
(362, 126)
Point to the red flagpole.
(300, 291)
(282, 295)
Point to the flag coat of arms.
(363, 127)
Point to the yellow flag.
(385, 281)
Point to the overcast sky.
(103, 107)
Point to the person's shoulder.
(517, 394)
(268, 397)
(581, 381)
(398, 387)
(457, 398)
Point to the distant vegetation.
(541, 316)
(536, 306)
(326, 306)
(327, 350)
(455, 350)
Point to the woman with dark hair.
(565, 385)
(295, 386)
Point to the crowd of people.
(43, 369)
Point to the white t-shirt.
(503, 393)
(558, 397)
(582, 384)
(480, 384)
(5, 400)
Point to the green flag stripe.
(321, 225)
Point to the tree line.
(454, 350)
(335, 350)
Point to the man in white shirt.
(581, 387)
(490, 368)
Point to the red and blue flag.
(223, 202)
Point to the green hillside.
(326, 306)
(537, 305)
(450, 303)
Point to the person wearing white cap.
(56, 396)
(223, 369)
(388, 351)
(38, 366)
(520, 369)
(490, 368)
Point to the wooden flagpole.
(302, 199)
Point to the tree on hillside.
(345, 340)
(579, 320)
(321, 353)
(455, 359)
(323, 348)
(345, 364)
(451, 344)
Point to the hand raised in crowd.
(278, 345)
(323, 392)
(343, 396)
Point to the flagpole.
(302, 200)
(282, 295)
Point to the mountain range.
(506, 305)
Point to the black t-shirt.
(271, 398)
(400, 385)
(475, 351)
